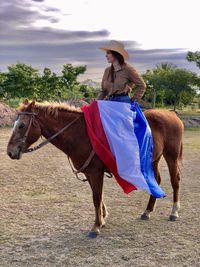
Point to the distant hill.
(91, 83)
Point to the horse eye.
(21, 126)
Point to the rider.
(119, 78)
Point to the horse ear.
(25, 102)
(32, 105)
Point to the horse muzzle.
(15, 153)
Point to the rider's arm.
(138, 81)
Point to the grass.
(14, 102)
(192, 139)
(189, 113)
(196, 129)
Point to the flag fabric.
(122, 139)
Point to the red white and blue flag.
(122, 139)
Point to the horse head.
(26, 130)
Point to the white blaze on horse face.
(15, 124)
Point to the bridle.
(32, 114)
(47, 141)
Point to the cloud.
(41, 47)
(47, 35)
(16, 14)
(37, 0)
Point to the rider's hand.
(133, 99)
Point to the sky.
(49, 33)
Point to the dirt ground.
(45, 214)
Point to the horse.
(64, 126)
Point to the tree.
(155, 85)
(180, 87)
(2, 88)
(194, 57)
(88, 92)
(165, 66)
(49, 86)
(21, 81)
(171, 85)
(70, 75)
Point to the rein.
(50, 138)
(32, 114)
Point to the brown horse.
(47, 119)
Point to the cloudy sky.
(49, 33)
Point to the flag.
(122, 139)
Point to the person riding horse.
(70, 129)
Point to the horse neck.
(50, 125)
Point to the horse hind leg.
(152, 200)
(104, 214)
(175, 180)
(105, 211)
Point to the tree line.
(167, 85)
(24, 81)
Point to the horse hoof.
(92, 234)
(144, 217)
(173, 218)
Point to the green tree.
(49, 86)
(154, 80)
(88, 92)
(165, 66)
(171, 85)
(69, 78)
(194, 57)
(21, 81)
(180, 87)
(2, 88)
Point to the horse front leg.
(96, 183)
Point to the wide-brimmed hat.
(117, 47)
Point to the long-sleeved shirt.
(125, 77)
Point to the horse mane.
(52, 108)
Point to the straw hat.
(117, 47)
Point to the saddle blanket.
(122, 139)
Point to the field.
(45, 214)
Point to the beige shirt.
(124, 78)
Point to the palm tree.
(194, 57)
(166, 66)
